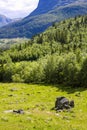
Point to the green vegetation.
(58, 56)
(37, 102)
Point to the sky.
(17, 8)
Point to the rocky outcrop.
(63, 103)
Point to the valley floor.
(37, 102)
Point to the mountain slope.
(64, 35)
(45, 6)
(4, 20)
(46, 13)
(58, 55)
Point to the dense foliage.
(59, 55)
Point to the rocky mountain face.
(4, 20)
(47, 5)
(44, 6)
(47, 12)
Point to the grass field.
(37, 102)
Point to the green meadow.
(37, 102)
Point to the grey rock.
(20, 111)
(63, 103)
(72, 103)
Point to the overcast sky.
(17, 8)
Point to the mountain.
(48, 5)
(4, 20)
(43, 16)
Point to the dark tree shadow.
(67, 88)
(70, 89)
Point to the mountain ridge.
(49, 5)
(4, 20)
(36, 23)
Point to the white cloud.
(17, 8)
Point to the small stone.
(20, 111)
(57, 114)
(13, 89)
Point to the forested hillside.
(58, 56)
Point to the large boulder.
(63, 103)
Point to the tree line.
(58, 56)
